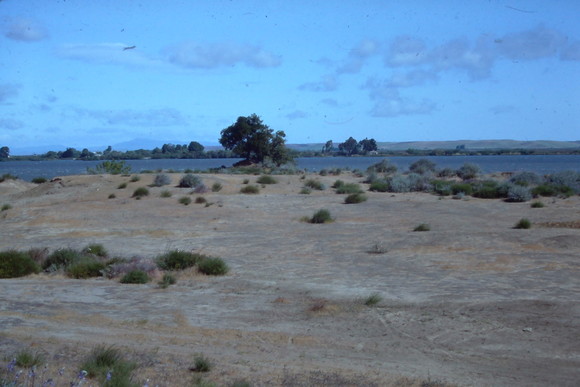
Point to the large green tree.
(349, 147)
(4, 152)
(249, 138)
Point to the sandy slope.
(472, 302)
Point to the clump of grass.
(96, 249)
(178, 260)
(39, 180)
(161, 179)
(5, 207)
(140, 192)
(165, 193)
(122, 186)
(305, 191)
(85, 267)
(266, 179)
(167, 280)
(355, 198)
(321, 216)
(349, 188)
(314, 184)
(190, 181)
(212, 266)
(27, 359)
(185, 200)
(7, 176)
(379, 186)
(201, 364)
(200, 200)
(60, 259)
(378, 248)
(135, 277)
(250, 189)
(107, 365)
(422, 227)
(245, 181)
(216, 187)
(135, 178)
(537, 205)
(523, 224)
(112, 196)
(373, 299)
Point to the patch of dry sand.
(471, 302)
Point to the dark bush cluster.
(17, 264)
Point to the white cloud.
(411, 78)
(358, 56)
(10, 124)
(26, 30)
(536, 43)
(129, 117)
(208, 56)
(107, 53)
(571, 52)
(297, 114)
(7, 91)
(406, 51)
(401, 107)
(327, 83)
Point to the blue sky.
(318, 70)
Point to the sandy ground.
(471, 302)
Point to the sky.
(88, 74)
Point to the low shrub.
(189, 181)
(39, 180)
(178, 260)
(314, 184)
(523, 224)
(487, 189)
(5, 207)
(379, 186)
(15, 264)
(423, 167)
(201, 364)
(266, 179)
(568, 179)
(468, 171)
(250, 189)
(464, 188)
(337, 184)
(323, 172)
(27, 359)
(216, 187)
(212, 266)
(140, 192)
(422, 227)
(200, 200)
(384, 166)
(526, 179)
(161, 180)
(60, 259)
(321, 216)
(201, 189)
(166, 281)
(122, 186)
(96, 249)
(112, 167)
(519, 193)
(446, 172)
(305, 191)
(85, 268)
(135, 277)
(108, 366)
(548, 189)
(165, 193)
(355, 198)
(245, 181)
(7, 176)
(418, 182)
(373, 299)
(135, 178)
(349, 188)
(185, 200)
(118, 267)
(112, 196)
(398, 183)
(537, 205)
(443, 187)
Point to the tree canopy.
(249, 138)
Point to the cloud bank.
(25, 30)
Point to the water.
(542, 164)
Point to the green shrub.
(314, 184)
(443, 187)
(384, 166)
(250, 189)
(60, 259)
(190, 181)
(468, 171)
(200, 200)
(457, 188)
(165, 193)
(245, 181)
(122, 186)
(135, 178)
(422, 227)
(112, 167)
(548, 189)
(85, 268)
(526, 179)
(305, 191)
(321, 216)
(161, 179)
(185, 200)
(166, 281)
(423, 167)
(373, 299)
(349, 188)
(201, 364)
(15, 263)
(523, 224)
(112, 196)
(488, 189)
(107, 365)
(266, 179)
(7, 176)
(5, 207)
(140, 193)
(355, 198)
(216, 187)
(96, 249)
(399, 184)
(212, 266)
(178, 260)
(28, 359)
(537, 205)
(323, 172)
(337, 184)
(39, 180)
(135, 277)
(379, 186)
(518, 193)
(568, 179)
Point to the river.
(541, 164)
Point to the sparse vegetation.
(355, 198)
(216, 187)
(7, 176)
(468, 171)
(15, 264)
(266, 179)
(135, 178)
(321, 216)
(190, 181)
(161, 179)
(185, 200)
(201, 364)
(373, 299)
(122, 186)
(200, 200)
(112, 167)
(5, 207)
(108, 366)
(305, 191)
(28, 359)
(348, 188)
(140, 192)
(39, 180)
(212, 266)
(165, 193)
(314, 184)
(250, 189)
(422, 227)
(537, 205)
(178, 260)
(135, 277)
(167, 280)
(523, 224)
